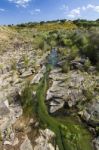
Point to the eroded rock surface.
(69, 88)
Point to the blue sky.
(18, 11)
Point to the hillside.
(49, 86)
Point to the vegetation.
(75, 41)
(28, 100)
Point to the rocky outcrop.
(69, 88)
(16, 67)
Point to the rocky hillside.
(49, 101)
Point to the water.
(53, 57)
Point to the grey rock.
(26, 145)
(42, 142)
(54, 107)
(96, 143)
(26, 74)
(92, 69)
(4, 110)
(39, 76)
(91, 113)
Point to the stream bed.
(71, 134)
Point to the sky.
(21, 11)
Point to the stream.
(71, 134)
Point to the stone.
(91, 113)
(68, 88)
(26, 74)
(7, 143)
(26, 145)
(39, 76)
(96, 143)
(54, 108)
(92, 69)
(16, 142)
(77, 65)
(4, 110)
(43, 141)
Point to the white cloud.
(2, 10)
(22, 3)
(35, 11)
(93, 7)
(74, 13)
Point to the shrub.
(26, 61)
(13, 64)
(87, 64)
(66, 67)
(27, 100)
(74, 52)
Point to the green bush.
(74, 52)
(87, 64)
(66, 67)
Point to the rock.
(31, 122)
(92, 69)
(39, 76)
(68, 88)
(16, 142)
(7, 143)
(96, 143)
(26, 74)
(57, 76)
(36, 125)
(77, 65)
(4, 110)
(26, 145)
(91, 113)
(54, 107)
(61, 63)
(43, 141)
